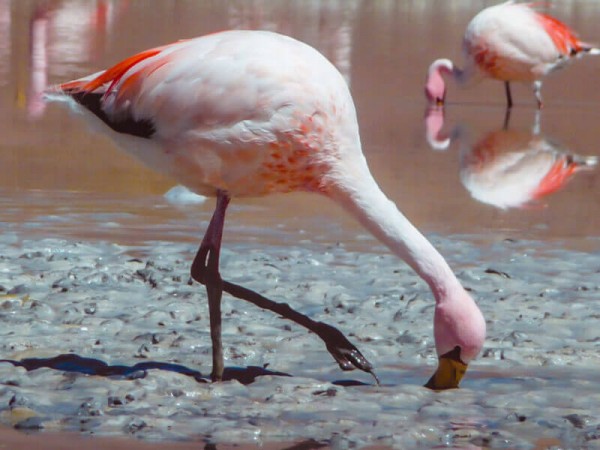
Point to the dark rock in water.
(147, 276)
(31, 423)
(135, 425)
(136, 375)
(18, 400)
(579, 420)
(115, 401)
(91, 407)
(497, 272)
(331, 392)
(18, 290)
(31, 255)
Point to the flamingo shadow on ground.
(343, 351)
(71, 362)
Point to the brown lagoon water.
(59, 181)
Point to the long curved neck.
(362, 198)
(447, 67)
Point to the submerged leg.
(537, 91)
(205, 270)
(509, 102)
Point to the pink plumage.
(509, 42)
(250, 113)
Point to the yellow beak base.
(448, 374)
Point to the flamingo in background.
(509, 42)
(509, 168)
(251, 113)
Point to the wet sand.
(130, 346)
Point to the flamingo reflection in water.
(508, 168)
(60, 33)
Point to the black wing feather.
(93, 102)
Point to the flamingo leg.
(343, 351)
(509, 102)
(205, 270)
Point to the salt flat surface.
(136, 335)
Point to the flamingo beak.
(439, 101)
(449, 372)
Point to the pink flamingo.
(250, 113)
(509, 42)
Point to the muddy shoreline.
(125, 305)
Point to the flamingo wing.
(212, 85)
(559, 173)
(563, 37)
(108, 94)
(514, 42)
(249, 111)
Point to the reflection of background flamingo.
(5, 33)
(60, 32)
(38, 36)
(509, 42)
(506, 168)
(249, 113)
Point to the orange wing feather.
(114, 74)
(560, 172)
(92, 91)
(563, 37)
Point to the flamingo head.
(459, 330)
(435, 86)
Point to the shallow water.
(58, 181)
(47, 155)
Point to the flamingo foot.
(343, 351)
